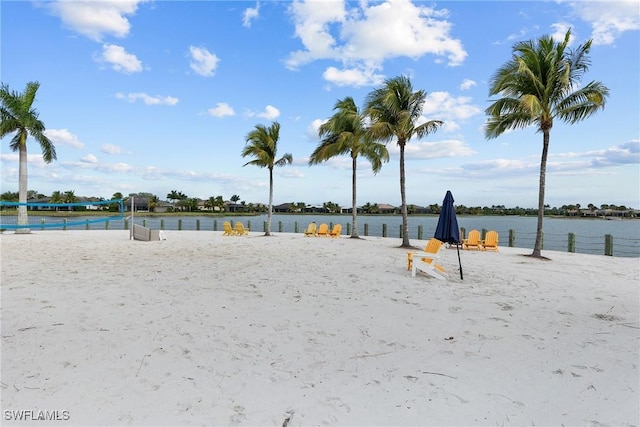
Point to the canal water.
(589, 233)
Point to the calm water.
(590, 233)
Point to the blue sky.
(155, 96)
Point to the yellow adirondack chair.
(337, 229)
(490, 242)
(323, 230)
(240, 230)
(433, 246)
(227, 229)
(473, 241)
(311, 230)
(425, 261)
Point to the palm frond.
(284, 160)
(18, 116)
(582, 103)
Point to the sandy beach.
(209, 330)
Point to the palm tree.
(116, 206)
(210, 203)
(9, 196)
(70, 196)
(56, 197)
(18, 116)
(395, 111)
(153, 202)
(539, 84)
(262, 143)
(234, 200)
(176, 195)
(345, 134)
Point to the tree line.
(180, 202)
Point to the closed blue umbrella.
(447, 230)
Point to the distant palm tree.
(539, 84)
(234, 200)
(18, 115)
(153, 202)
(345, 134)
(116, 206)
(70, 196)
(176, 195)
(262, 143)
(210, 203)
(56, 198)
(395, 111)
(9, 196)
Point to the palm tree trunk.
(354, 213)
(405, 217)
(537, 247)
(23, 219)
(268, 232)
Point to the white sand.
(202, 329)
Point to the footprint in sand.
(239, 415)
(505, 306)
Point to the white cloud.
(250, 14)
(449, 108)
(89, 158)
(410, 30)
(35, 160)
(467, 84)
(290, 173)
(63, 137)
(560, 31)
(148, 99)
(519, 35)
(94, 19)
(312, 20)
(119, 59)
(110, 149)
(221, 109)
(353, 36)
(572, 163)
(116, 167)
(608, 19)
(203, 62)
(500, 167)
(270, 112)
(623, 154)
(314, 126)
(352, 77)
(419, 150)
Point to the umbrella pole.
(459, 262)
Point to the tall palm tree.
(345, 134)
(18, 116)
(395, 111)
(539, 84)
(262, 144)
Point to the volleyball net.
(52, 215)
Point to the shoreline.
(255, 214)
(625, 246)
